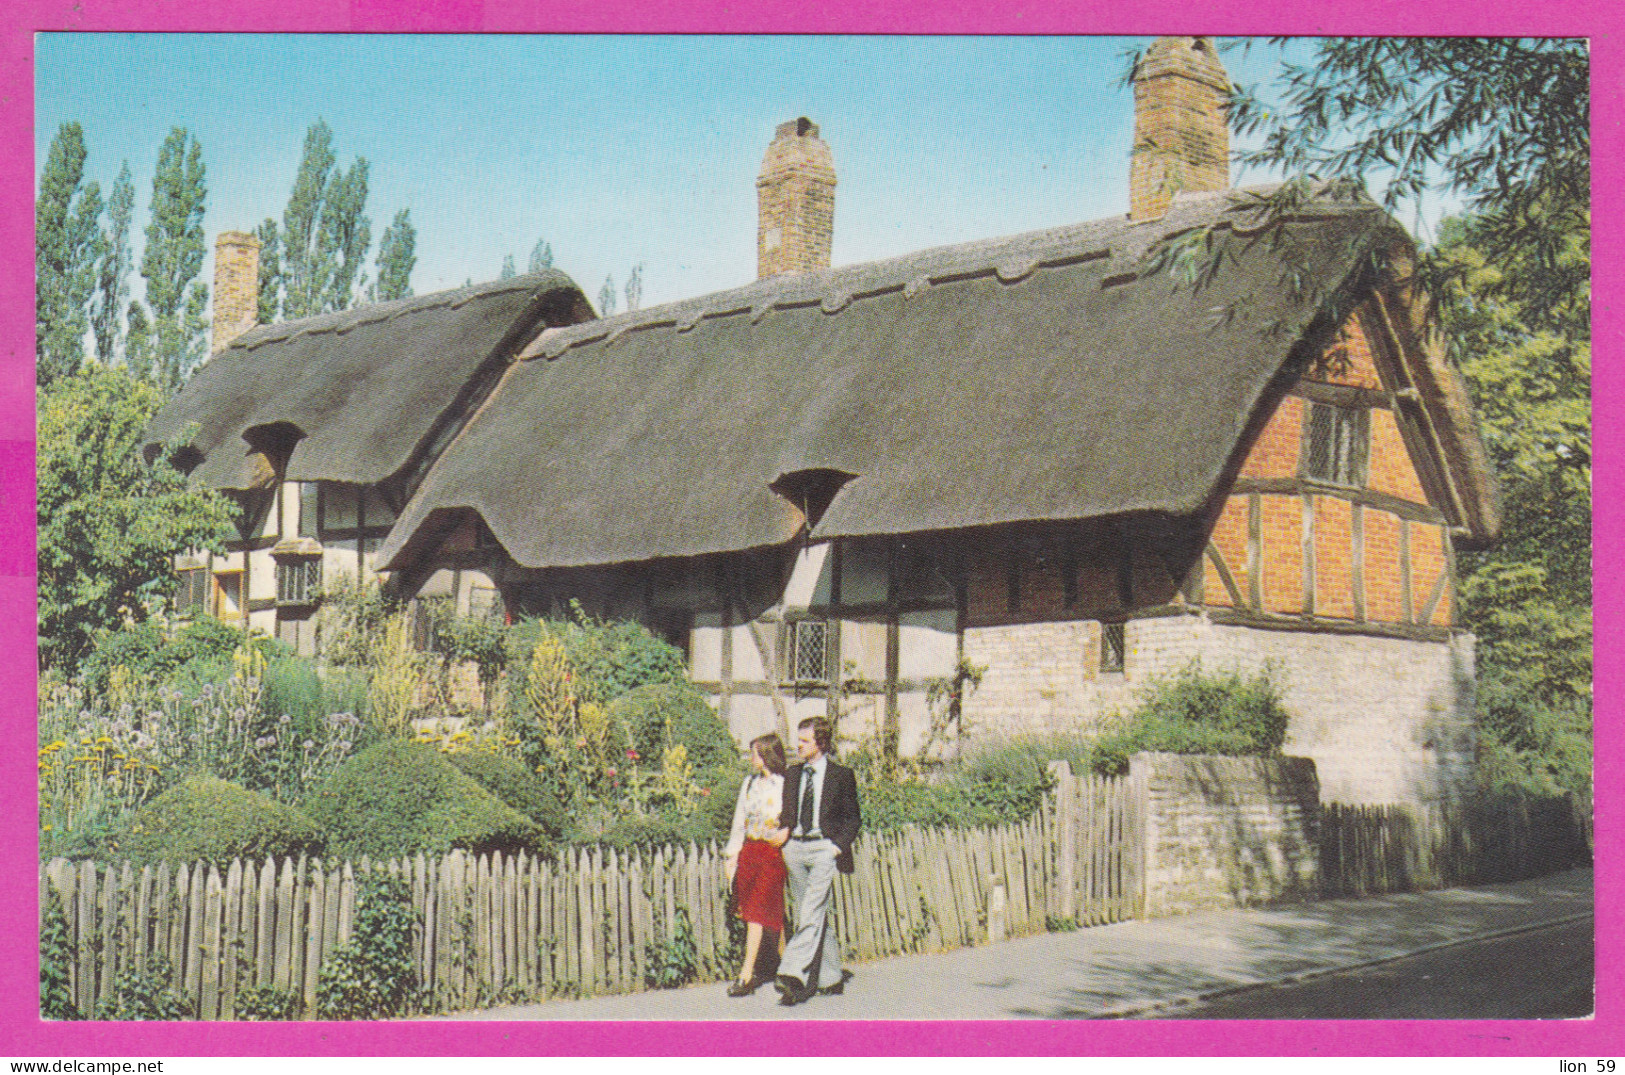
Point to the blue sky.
(618, 150)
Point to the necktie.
(807, 825)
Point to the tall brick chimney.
(795, 201)
(1181, 138)
(236, 287)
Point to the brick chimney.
(795, 201)
(1181, 138)
(236, 287)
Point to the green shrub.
(208, 819)
(611, 658)
(264, 1004)
(654, 830)
(148, 996)
(198, 653)
(370, 976)
(673, 960)
(509, 780)
(55, 956)
(660, 715)
(398, 798)
(1197, 712)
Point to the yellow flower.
(47, 828)
(103, 739)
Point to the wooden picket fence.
(1100, 847)
(1483, 839)
(498, 928)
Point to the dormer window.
(1336, 444)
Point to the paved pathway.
(1128, 968)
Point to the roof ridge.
(375, 312)
(1011, 257)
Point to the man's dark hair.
(823, 732)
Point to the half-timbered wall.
(291, 525)
(1289, 543)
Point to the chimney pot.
(236, 287)
(1181, 132)
(795, 200)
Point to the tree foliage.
(269, 296)
(325, 231)
(541, 256)
(67, 246)
(113, 269)
(109, 525)
(1502, 122)
(174, 322)
(396, 257)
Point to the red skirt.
(759, 885)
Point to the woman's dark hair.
(771, 749)
(823, 732)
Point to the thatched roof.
(361, 389)
(1046, 376)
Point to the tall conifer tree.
(67, 244)
(396, 257)
(173, 257)
(113, 269)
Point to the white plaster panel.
(863, 648)
(438, 584)
(750, 715)
(927, 644)
(809, 577)
(748, 666)
(705, 648)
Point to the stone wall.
(1227, 832)
(1384, 719)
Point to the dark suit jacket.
(839, 818)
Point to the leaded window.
(299, 581)
(1336, 444)
(809, 651)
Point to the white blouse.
(756, 814)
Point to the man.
(820, 819)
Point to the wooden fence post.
(1066, 816)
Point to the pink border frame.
(19, 1024)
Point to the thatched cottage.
(1048, 458)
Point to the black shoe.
(792, 992)
(745, 989)
(838, 988)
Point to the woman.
(755, 866)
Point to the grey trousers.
(811, 869)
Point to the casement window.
(1336, 444)
(808, 657)
(192, 596)
(230, 595)
(1112, 647)
(299, 580)
(428, 613)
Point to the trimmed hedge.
(660, 715)
(399, 798)
(509, 780)
(208, 819)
